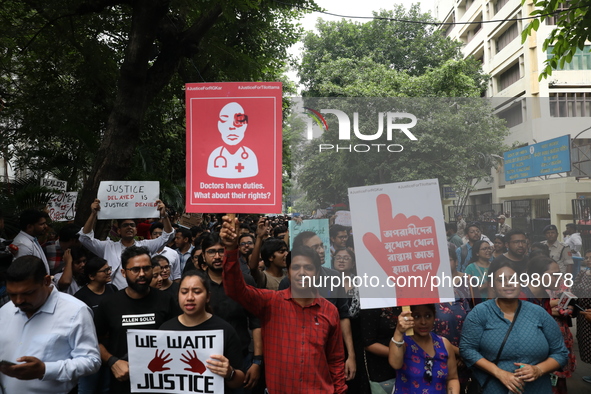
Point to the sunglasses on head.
(428, 375)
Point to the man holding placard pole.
(111, 251)
(304, 350)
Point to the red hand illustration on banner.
(157, 363)
(407, 250)
(193, 361)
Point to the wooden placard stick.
(231, 216)
(410, 331)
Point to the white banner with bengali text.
(400, 240)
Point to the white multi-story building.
(535, 110)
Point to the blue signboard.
(543, 158)
(448, 192)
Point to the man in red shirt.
(301, 331)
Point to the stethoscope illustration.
(244, 155)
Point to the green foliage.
(90, 96)
(366, 78)
(573, 28)
(406, 47)
(18, 195)
(56, 79)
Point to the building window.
(500, 4)
(551, 20)
(581, 59)
(509, 35)
(472, 33)
(449, 29)
(512, 115)
(509, 77)
(568, 105)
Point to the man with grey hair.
(504, 228)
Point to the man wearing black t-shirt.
(516, 244)
(92, 299)
(135, 307)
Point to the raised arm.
(66, 279)
(164, 217)
(397, 345)
(91, 221)
(252, 299)
(155, 245)
(253, 261)
(87, 232)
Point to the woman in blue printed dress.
(425, 363)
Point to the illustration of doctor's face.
(232, 123)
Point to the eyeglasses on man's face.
(213, 252)
(136, 270)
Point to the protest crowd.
(69, 297)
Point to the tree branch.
(92, 6)
(185, 45)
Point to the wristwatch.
(258, 360)
(231, 375)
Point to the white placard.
(400, 244)
(62, 207)
(54, 184)
(174, 361)
(343, 218)
(128, 199)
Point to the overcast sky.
(351, 8)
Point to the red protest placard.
(234, 147)
(406, 247)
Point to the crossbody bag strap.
(365, 362)
(503, 344)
